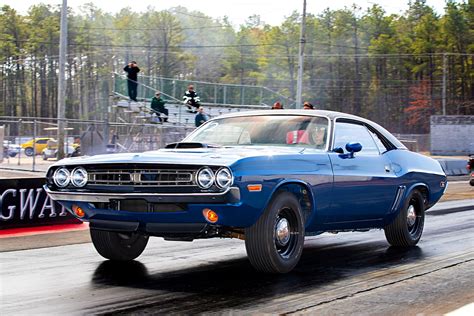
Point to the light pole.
(299, 84)
(62, 80)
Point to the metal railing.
(209, 92)
(178, 112)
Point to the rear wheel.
(45, 157)
(29, 151)
(118, 246)
(406, 229)
(275, 242)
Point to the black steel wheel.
(118, 246)
(406, 229)
(275, 242)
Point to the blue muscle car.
(267, 177)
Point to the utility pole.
(299, 85)
(62, 80)
(444, 83)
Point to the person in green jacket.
(158, 106)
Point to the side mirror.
(352, 148)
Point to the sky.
(271, 11)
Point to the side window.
(378, 142)
(348, 132)
(41, 141)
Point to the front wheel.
(275, 242)
(118, 246)
(406, 229)
(29, 151)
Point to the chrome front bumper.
(231, 195)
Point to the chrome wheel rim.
(414, 220)
(282, 232)
(285, 233)
(411, 216)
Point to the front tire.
(29, 151)
(118, 246)
(275, 242)
(406, 229)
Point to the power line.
(395, 55)
(147, 29)
(190, 14)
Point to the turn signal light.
(210, 215)
(254, 187)
(78, 211)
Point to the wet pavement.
(349, 273)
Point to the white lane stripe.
(465, 310)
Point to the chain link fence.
(30, 143)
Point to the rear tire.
(118, 246)
(406, 229)
(275, 242)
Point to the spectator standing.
(158, 106)
(114, 138)
(308, 106)
(132, 70)
(201, 117)
(277, 106)
(191, 99)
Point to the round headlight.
(223, 178)
(79, 177)
(205, 178)
(62, 177)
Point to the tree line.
(391, 68)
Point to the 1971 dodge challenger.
(268, 177)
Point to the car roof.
(332, 115)
(329, 114)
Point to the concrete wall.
(452, 134)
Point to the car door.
(41, 144)
(364, 185)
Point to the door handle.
(387, 168)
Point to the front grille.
(141, 206)
(142, 177)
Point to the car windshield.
(273, 130)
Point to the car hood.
(225, 156)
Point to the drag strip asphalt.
(347, 273)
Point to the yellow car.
(40, 144)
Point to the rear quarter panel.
(414, 170)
